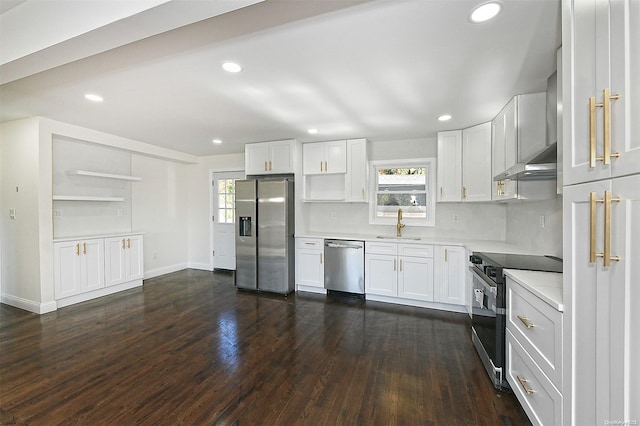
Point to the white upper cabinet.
(476, 163)
(464, 164)
(324, 157)
(601, 41)
(450, 166)
(269, 157)
(357, 177)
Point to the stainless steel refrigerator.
(264, 235)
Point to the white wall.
(160, 210)
(523, 229)
(485, 221)
(199, 214)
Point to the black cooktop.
(521, 261)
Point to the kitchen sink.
(386, 237)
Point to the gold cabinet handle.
(400, 265)
(441, 193)
(525, 387)
(592, 227)
(321, 258)
(321, 165)
(78, 249)
(363, 194)
(326, 168)
(606, 125)
(606, 253)
(592, 132)
(270, 165)
(310, 244)
(84, 248)
(446, 255)
(464, 192)
(265, 166)
(128, 243)
(526, 322)
(394, 264)
(123, 244)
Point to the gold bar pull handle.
(363, 194)
(525, 387)
(606, 125)
(321, 258)
(400, 265)
(320, 165)
(592, 227)
(78, 249)
(446, 255)
(265, 166)
(270, 165)
(464, 192)
(441, 192)
(325, 166)
(394, 264)
(128, 243)
(123, 244)
(526, 322)
(592, 132)
(607, 258)
(84, 248)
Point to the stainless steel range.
(489, 304)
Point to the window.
(226, 200)
(403, 184)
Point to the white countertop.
(473, 245)
(546, 285)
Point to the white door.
(223, 219)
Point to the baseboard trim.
(29, 305)
(200, 266)
(152, 273)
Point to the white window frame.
(430, 172)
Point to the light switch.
(12, 214)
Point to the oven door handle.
(486, 282)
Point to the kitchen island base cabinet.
(310, 265)
(84, 269)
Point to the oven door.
(484, 310)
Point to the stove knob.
(475, 260)
(490, 271)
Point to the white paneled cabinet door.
(476, 163)
(381, 274)
(312, 158)
(256, 158)
(324, 157)
(93, 264)
(115, 266)
(415, 278)
(356, 178)
(449, 170)
(601, 347)
(135, 257)
(601, 41)
(310, 262)
(67, 272)
(450, 275)
(336, 156)
(281, 156)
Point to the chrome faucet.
(400, 225)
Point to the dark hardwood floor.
(188, 348)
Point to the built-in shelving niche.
(91, 188)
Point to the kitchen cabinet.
(601, 173)
(534, 350)
(601, 95)
(357, 177)
(602, 248)
(476, 163)
(399, 270)
(78, 267)
(123, 259)
(310, 265)
(464, 164)
(450, 166)
(468, 279)
(324, 157)
(449, 275)
(275, 157)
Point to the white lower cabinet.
(534, 354)
(310, 265)
(123, 259)
(85, 269)
(449, 276)
(78, 267)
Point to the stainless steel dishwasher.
(344, 266)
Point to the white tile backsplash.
(523, 225)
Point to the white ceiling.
(382, 69)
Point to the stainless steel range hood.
(543, 164)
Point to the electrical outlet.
(12, 214)
(541, 220)
(57, 213)
(333, 215)
(454, 217)
(120, 212)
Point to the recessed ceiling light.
(93, 97)
(231, 67)
(216, 141)
(312, 131)
(485, 11)
(445, 117)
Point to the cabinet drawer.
(542, 338)
(543, 404)
(381, 248)
(416, 250)
(310, 243)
